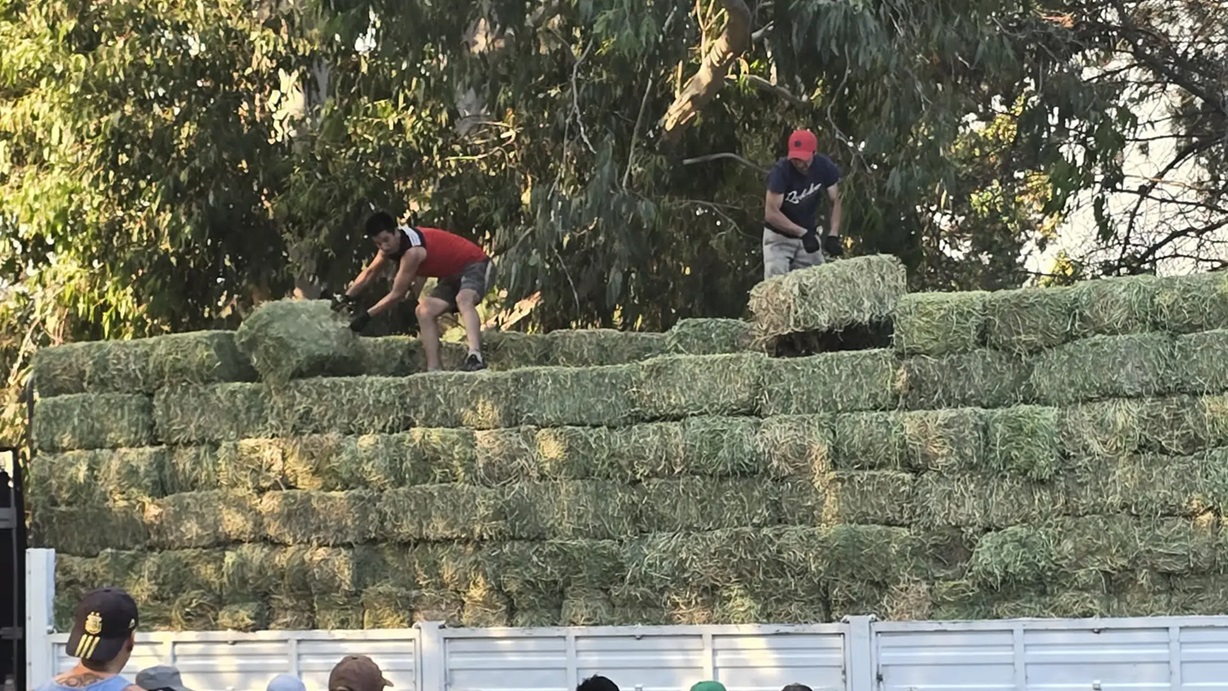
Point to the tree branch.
(702, 88)
(718, 156)
(764, 85)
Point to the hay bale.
(506, 350)
(191, 414)
(1021, 555)
(88, 529)
(1114, 306)
(1101, 429)
(203, 519)
(832, 296)
(715, 447)
(296, 517)
(485, 606)
(289, 339)
(1029, 319)
(338, 611)
(505, 455)
(441, 512)
(982, 379)
(387, 607)
(99, 476)
(190, 469)
(1104, 367)
(558, 396)
(597, 347)
(1199, 363)
(665, 387)
(701, 503)
(571, 509)
(915, 440)
(871, 497)
(1023, 440)
(92, 421)
(389, 356)
(869, 441)
(709, 337)
(939, 323)
(586, 607)
(1150, 486)
(1193, 303)
(982, 501)
(244, 617)
(843, 382)
(344, 405)
(179, 589)
(627, 454)
(478, 400)
(796, 446)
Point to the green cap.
(708, 686)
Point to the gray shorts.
(782, 254)
(478, 277)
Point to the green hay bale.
(626, 454)
(873, 497)
(505, 455)
(1023, 440)
(289, 339)
(441, 513)
(596, 347)
(870, 441)
(716, 447)
(1188, 304)
(203, 519)
(252, 465)
(1016, 556)
(344, 405)
(291, 615)
(571, 509)
(982, 501)
(338, 611)
(1178, 425)
(334, 463)
(981, 379)
(1199, 361)
(831, 296)
(390, 356)
(842, 382)
(709, 337)
(484, 606)
(1101, 429)
(387, 607)
(917, 440)
(296, 517)
(179, 590)
(700, 503)
(192, 414)
(244, 617)
(73, 478)
(558, 396)
(674, 387)
(74, 578)
(1029, 319)
(92, 421)
(939, 323)
(477, 400)
(506, 350)
(586, 607)
(1104, 367)
(797, 446)
(1114, 306)
(190, 469)
(87, 530)
(1151, 486)
(282, 575)
(439, 605)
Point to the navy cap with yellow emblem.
(102, 624)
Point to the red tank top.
(447, 254)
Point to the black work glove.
(833, 246)
(810, 241)
(360, 321)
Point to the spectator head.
(597, 683)
(160, 678)
(286, 682)
(708, 686)
(797, 687)
(104, 630)
(357, 673)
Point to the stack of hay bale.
(1046, 452)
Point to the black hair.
(379, 222)
(597, 683)
(797, 687)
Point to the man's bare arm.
(406, 278)
(774, 216)
(364, 277)
(837, 210)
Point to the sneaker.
(473, 363)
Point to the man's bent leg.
(428, 313)
(475, 280)
(778, 252)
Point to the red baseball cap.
(803, 145)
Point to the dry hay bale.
(874, 497)
(559, 396)
(298, 517)
(571, 509)
(190, 469)
(338, 611)
(504, 455)
(740, 604)
(1023, 440)
(389, 356)
(387, 607)
(203, 519)
(1114, 306)
(915, 440)
(335, 462)
(834, 295)
(711, 336)
(441, 512)
(626, 454)
(484, 605)
(477, 400)
(289, 339)
(88, 529)
(596, 347)
(92, 421)
(257, 571)
(869, 441)
(939, 323)
(586, 607)
(1104, 367)
(702, 503)
(1188, 304)
(982, 501)
(178, 590)
(796, 446)
(660, 561)
(1150, 485)
(98, 476)
(244, 617)
(984, 378)
(1029, 319)
(505, 350)
(252, 465)
(674, 387)
(1199, 361)
(191, 414)
(344, 405)
(843, 382)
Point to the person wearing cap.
(708, 686)
(160, 678)
(795, 186)
(286, 682)
(102, 638)
(357, 673)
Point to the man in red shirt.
(464, 274)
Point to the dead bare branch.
(707, 81)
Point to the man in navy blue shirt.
(795, 187)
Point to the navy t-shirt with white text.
(802, 192)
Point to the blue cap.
(286, 682)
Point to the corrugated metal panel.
(229, 662)
(644, 659)
(1135, 654)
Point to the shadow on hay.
(871, 336)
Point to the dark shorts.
(478, 277)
